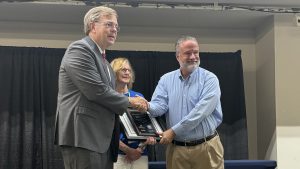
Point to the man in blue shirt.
(190, 99)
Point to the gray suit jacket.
(87, 102)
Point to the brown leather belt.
(195, 142)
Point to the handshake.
(138, 103)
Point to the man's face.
(188, 56)
(105, 31)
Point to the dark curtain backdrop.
(28, 91)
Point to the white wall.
(287, 49)
(265, 85)
(277, 60)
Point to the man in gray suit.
(88, 107)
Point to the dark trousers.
(80, 158)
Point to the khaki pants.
(208, 155)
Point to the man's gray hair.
(183, 39)
(95, 14)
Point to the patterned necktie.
(104, 56)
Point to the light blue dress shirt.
(192, 105)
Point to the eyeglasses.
(124, 70)
(111, 25)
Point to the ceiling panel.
(68, 14)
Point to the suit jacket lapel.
(104, 63)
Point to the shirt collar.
(101, 51)
(190, 76)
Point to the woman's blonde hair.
(118, 64)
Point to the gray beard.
(190, 67)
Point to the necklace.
(127, 94)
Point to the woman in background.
(132, 154)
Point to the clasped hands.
(139, 103)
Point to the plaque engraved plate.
(138, 125)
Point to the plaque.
(140, 125)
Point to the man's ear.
(177, 57)
(92, 26)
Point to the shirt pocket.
(194, 94)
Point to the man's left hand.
(167, 136)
